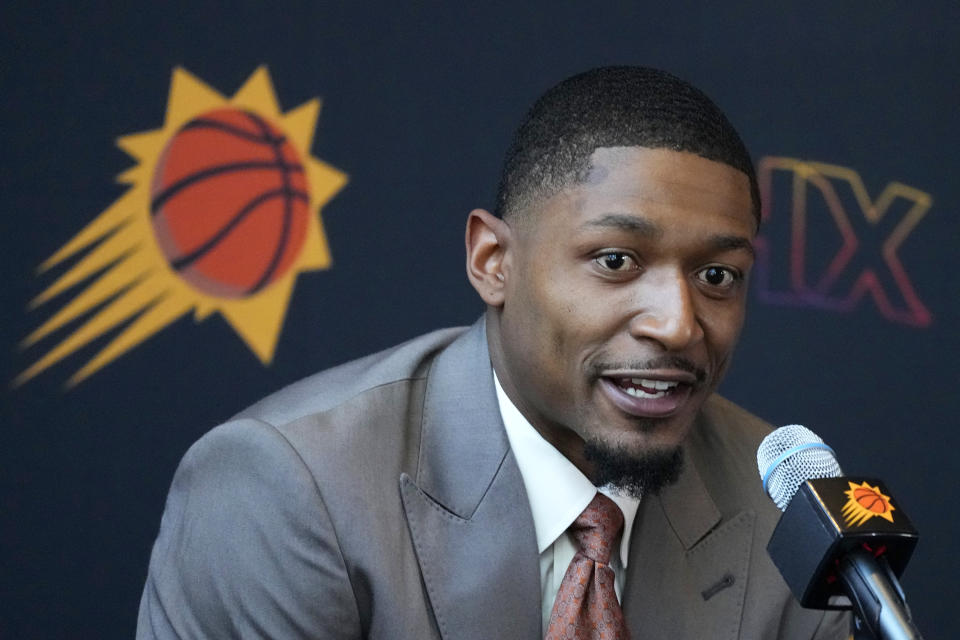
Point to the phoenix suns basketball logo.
(865, 502)
(222, 214)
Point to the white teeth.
(659, 385)
(640, 393)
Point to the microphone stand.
(878, 600)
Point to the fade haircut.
(613, 107)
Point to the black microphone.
(842, 542)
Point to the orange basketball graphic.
(221, 216)
(229, 203)
(870, 500)
(865, 502)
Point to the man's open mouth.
(646, 388)
(648, 397)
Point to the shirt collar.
(557, 490)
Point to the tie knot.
(597, 528)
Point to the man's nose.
(666, 311)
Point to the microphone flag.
(829, 518)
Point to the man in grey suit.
(429, 491)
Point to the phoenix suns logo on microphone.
(222, 214)
(865, 502)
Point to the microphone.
(841, 542)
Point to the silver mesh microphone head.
(790, 456)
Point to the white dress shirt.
(558, 493)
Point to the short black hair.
(613, 107)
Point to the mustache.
(660, 362)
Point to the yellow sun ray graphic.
(865, 502)
(171, 244)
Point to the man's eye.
(719, 277)
(616, 261)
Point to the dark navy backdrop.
(419, 103)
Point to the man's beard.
(636, 473)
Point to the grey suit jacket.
(380, 499)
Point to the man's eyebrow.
(732, 243)
(626, 222)
(635, 224)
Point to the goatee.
(635, 473)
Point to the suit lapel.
(467, 510)
(688, 569)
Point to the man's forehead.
(631, 180)
(653, 164)
(640, 183)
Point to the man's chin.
(633, 471)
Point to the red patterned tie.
(586, 607)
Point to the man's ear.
(488, 240)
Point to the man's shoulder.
(347, 419)
(328, 389)
(257, 505)
(359, 422)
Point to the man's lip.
(646, 407)
(665, 375)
